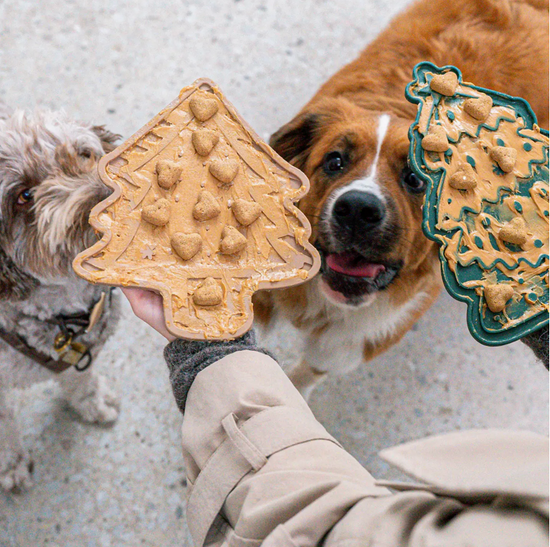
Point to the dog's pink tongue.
(344, 263)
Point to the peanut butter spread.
(488, 203)
(202, 212)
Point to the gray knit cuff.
(538, 342)
(185, 359)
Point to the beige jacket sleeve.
(262, 471)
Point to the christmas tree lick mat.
(485, 162)
(203, 212)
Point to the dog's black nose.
(355, 210)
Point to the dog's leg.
(305, 378)
(15, 464)
(88, 394)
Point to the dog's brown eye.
(333, 163)
(86, 153)
(413, 183)
(24, 197)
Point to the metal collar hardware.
(71, 353)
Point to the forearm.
(256, 454)
(260, 467)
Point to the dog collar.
(71, 352)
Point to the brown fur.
(497, 44)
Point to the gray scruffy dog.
(48, 185)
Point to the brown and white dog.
(380, 273)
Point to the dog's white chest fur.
(336, 335)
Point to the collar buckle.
(63, 340)
(71, 352)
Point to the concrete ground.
(119, 64)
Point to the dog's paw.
(15, 470)
(95, 402)
(306, 379)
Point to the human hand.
(185, 358)
(147, 305)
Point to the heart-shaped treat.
(209, 293)
(445, 84)
(505, 157)
(514, 232)
(479, 108)
(203, 107)
(224, 170)
(204, 141)
(168, 173)
(497, 296)
(186, 245)
(207, 207)
(435, 140)
(246, 212)
(464, 178)
(157, 213)
(232, 241)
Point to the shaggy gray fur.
(55, 159)
(186, 359)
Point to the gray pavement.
(119, 64)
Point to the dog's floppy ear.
(107, 138)
(14, 284)
(294, 140)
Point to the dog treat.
(203, 212)
(246, 212)
(168, 173)
(435, 140)
(487, 200)
(207, 206)
(444, 84)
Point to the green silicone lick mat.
(469, 224)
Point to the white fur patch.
(339, 348)
(368, 183)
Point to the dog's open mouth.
(350, 277)
(353, 264)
